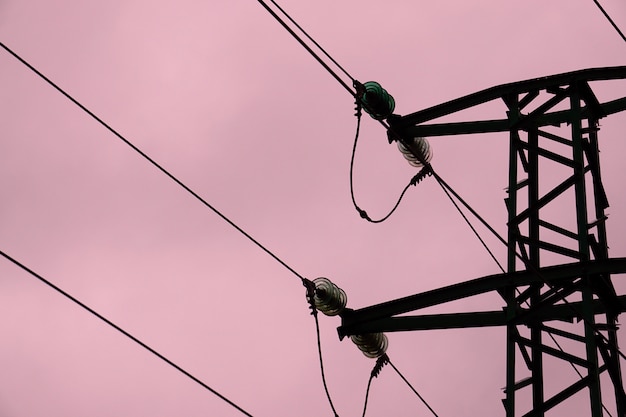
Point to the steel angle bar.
(562, 396)
(480, 286)
(554, 352)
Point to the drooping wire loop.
(373, 345)
(328, 298)
(426, 171)
(377, 102)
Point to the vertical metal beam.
(526, 227)
(583, 248)
(534, 258)
(511, 205)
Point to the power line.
(609, 19)
(124, 332)
(473, 229)
(319, 351)
(530, 267)
(310, 296)
(312, 40)
(428, 169)
(517, 290)
(380, 362)
(362, 212)
(412, 388)
(147, 158)
(194, 194)
(307, 47)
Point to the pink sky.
(221, 96)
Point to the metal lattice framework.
(574, 301)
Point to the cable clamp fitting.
(380, 362)
(358, 97)
(310, 295)
(420, 176)
(363, 214)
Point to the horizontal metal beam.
(561, 312)
(501, 91)
(477, 286)
(553, 351)
(499, 125)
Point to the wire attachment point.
(363, 214)
(358, 105)
(380, 362)
(310, 295)
(420, 176)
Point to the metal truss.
(552, 122)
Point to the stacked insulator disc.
(329, 298)
(377, 102)
(415, 149)
(373, 345)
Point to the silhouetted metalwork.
(550, 120)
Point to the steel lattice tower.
(574, 301)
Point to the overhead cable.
(380, 362)
(186, 188)
(307, 47)
(516, 289)
(414, 180)
(312, 40)
(327, 309)
(530, 267)
(610, 20)
(412, 388)
(427, 166)
(124, 332)
(149, 159)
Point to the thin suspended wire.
(473, 229)
(356, 139)
(307, 47)
(124, 332)
(382, 219)
(412, 388)
(529, 266)
(442, 183)
(194, 194)
(380, 363)
(312, 40)
(503, 271)
(367, 394)
(152, 161)
(517, 290)
(319, 351)
(362, 212)
(445, 186)
(354, 94)
(606, 410)
(609, 19)
(310, 296)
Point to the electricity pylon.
(551, 121)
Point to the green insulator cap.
(377, 102)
